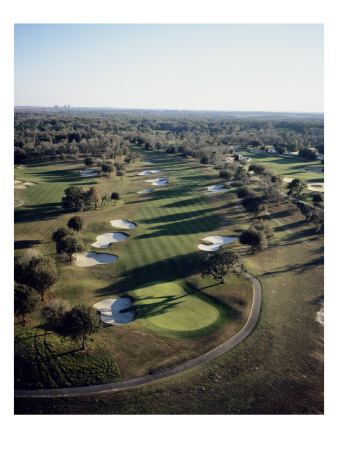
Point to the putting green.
(173, 310)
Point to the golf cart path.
(166, 373)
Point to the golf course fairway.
(174, 311)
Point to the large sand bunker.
(104, 240)
(111, 310)
(319, 187)
(147, 162)
(19, 184)
(149, 172)
(158, 181)
(89, 173)
(216, 242)
(314, 169)
(145, 191)
(87, 259)
(216, 189)
(121, 223)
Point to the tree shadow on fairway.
(299, 268)
(32, 213)
(25, 244)
(144, 311)
(169, 270)
(200, 224)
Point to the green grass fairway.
(288, 167)
(174, 311)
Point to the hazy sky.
(214, 67)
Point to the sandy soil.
(111, 308)
(319, 187)
(91, 174)
(314, 169)
(149, 172)
(216, 189)
(122, 223)
(158, 181)
(24, 184)
(87, 259)
(216, 242)
(104, 240)
(145, 191)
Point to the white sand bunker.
(18, 184)
(216, 189)
(287, 179)
(314, 169)
(319, 187)
(158, 181)
(147, 162)
(104, 240)
(111, 310)
(22, 166)
(121, 223)
(216, 242)
(87, 259)
(320, 313)
(145, 191)
(149, 172)
(89, 173)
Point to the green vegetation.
(46, 360)
(179, 314)
(175, 311)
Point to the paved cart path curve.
(166, 373)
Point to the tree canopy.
(25, 300)
(80, 322)
(221, 265)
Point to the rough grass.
(45, 360)
(170, 221)
(277, 370)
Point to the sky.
(204, 67)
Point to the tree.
(94, 195)
(226, 174)
(69, 245)
(61, 233)
(38, 272)
(295, 189)
(120, 173)
(89, 162)
(254, 238)
(221, 265)
(73, 199)
(244, 191)
(317, 198)
(254, 204)
(204, 159)
(80, 322)
(115, 196)
(25, 300)
(75, 223)
(54, 313)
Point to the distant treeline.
(108, 134)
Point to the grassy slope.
(162, 247)
(278, 369)
(176, 311)
(288, 167)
